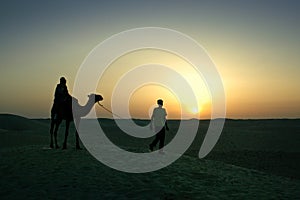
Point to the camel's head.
(96, 97)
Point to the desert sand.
(254, 159)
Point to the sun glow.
(172, 69)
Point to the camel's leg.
(77, 121)
(52, 124)
(66, 134)
(51, 132)
(77, 141)
(57, 124)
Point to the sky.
(255, 46)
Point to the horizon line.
(275, 118)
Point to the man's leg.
(162, 138)
(157, 138)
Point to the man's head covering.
(63, 80)
(160, 102)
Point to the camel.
(66, 113)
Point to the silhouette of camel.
(66, 113)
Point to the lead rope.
(109, 110)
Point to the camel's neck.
(84, 110)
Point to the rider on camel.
(61, 97)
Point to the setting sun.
(195, 110)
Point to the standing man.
(159, 125)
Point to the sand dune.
(57, 174)
(238, 168)
(18, 123)
(20, 131)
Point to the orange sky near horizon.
(144, 97)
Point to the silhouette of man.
(61, 97)
(159, 124)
